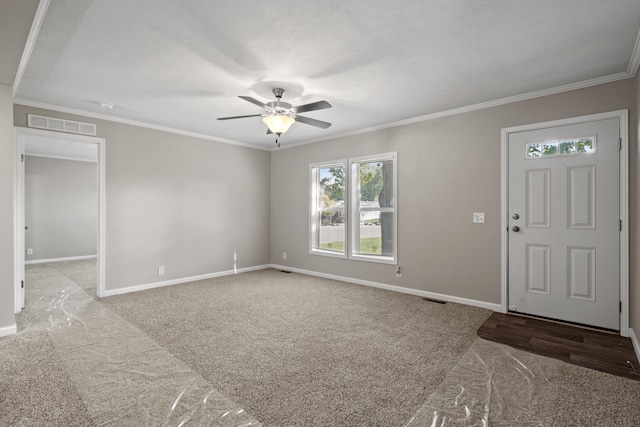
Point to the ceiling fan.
(279, 116)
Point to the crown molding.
(634, 62)
(483, 105)
(31, 42)
(83, 113)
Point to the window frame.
(351, 208)
(314, 180)
(355, 209)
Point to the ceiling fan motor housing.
(279, 108)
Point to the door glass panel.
(585, 145)
(549, 148)
(566, 146)
(534, 150)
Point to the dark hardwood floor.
(602, 351)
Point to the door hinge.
(21, 158)
(22, 284)
(620, 225)
(620, 307)
(620, 144)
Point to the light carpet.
(297, 350)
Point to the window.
(562, 147)
(373, 211)
(370, 234)
(328, 208)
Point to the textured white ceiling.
(16, 17)
(181, 64)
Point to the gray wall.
(187, 203)
(6, 207)
(180, 202)
(61, 208)
(448, 168)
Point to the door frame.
(20, 134)
(623, 118)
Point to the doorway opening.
(59, 206)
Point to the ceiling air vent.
(61, 125)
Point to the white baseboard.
(72, 258)
(636, 343)
(8, 330)
(425, 294)
(432, 295)
(119, 291)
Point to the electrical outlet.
(478, 217)
(161, 270)
(284, 255)
(398, 271)
(30, 251)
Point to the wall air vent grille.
(61, 125)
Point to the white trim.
(102, 218)
(469, 108)
(623, 117)
(432, 295)
(18, 223)
(624, 216)
(314, 178)
(137, 288)
(635, 342)
(455, 111)
(20, 135)
(72, 258)
(38, 19)
(634, 62)
(101, 116)
(8, 330)
(48, 156)
(353, 229)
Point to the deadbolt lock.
(515, 216)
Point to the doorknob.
(516, 228)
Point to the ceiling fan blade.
(239, 117)
(312, 122)
(320, 105)
(253, 101)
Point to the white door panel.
(564, 191)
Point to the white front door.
(564, 223)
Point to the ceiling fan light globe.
(278, 123)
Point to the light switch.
(478, 217)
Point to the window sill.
(331, 254)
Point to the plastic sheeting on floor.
(123, 376)
(495, 385)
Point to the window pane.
(331, 230)
(331, 187)
(584, 145)
(370, 181)
(370, 234)
(567, 147)
(550, 148)
(534, 150)
(327, 224)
